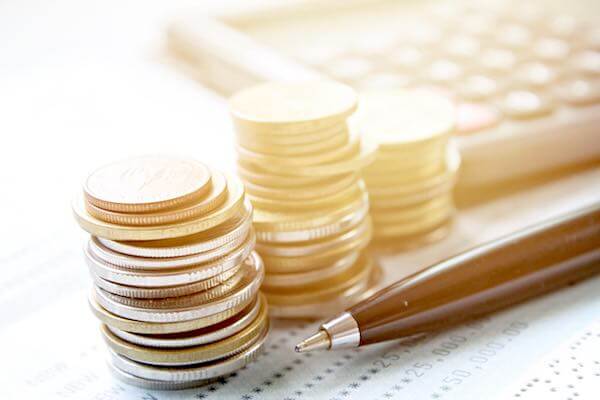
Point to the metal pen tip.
(318, 341)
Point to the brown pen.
(492, 276)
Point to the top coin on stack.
(411, 181)
(175, 274)
(300, 164)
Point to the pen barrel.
(484, 279)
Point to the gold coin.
(267, 221)
(393, 245)
(191, 355)
(328, 188)
(278, 205)
(384, 202)
(411, 214)
(452, 166)
(253, 174)
(146, 184)
(363, 157)
(267, 145)
(420, 226)
(311, 277)
(405, 177)
(316, 246)
(211, 239)
(291, 162)
(396, 118)
(333, 304)
(215, 197)
(292, 264)
(279, 108)
(154, 328)
(229, 208)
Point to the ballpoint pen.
(492, 276)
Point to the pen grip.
(484, 279)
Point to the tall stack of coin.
(410, 183)
(175, 275)
(300, 165)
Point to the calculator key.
(407, 57)
(536, 74)
(349, 69)
(462, 46)
(384, 81)
(564, 26)
(472, 117)
(580, 92)
(526, 104)
(498, 60)
(478, 87)
(444, 71)
(587, 62)
(551, 49)
(514, 36)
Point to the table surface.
(83, 83)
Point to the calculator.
(524, 75)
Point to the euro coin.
(146, 184)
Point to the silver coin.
(244, 293)
(167, 291)
(123, 260)
(304, 249)
(200, 242)
(172, 277)
(156, 385)
(320, 232)
(304, 278)
(196, 374)
(194, 338)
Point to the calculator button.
(349, 69)
(587, 62)
(536, 74)
(498, 60)
(478, 87)
(444, 71)
(406, 57)
(580, 92)
(462, 46)
(475, 117)
(384, 81)
(562, 26)
(514, 36)
(526, 104)
(551, 49)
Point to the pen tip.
(318, 341)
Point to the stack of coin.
(301, 168)
(176, 278)
(410, 183)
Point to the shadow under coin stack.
(410, 184)
(301, 169)
(175, 275)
